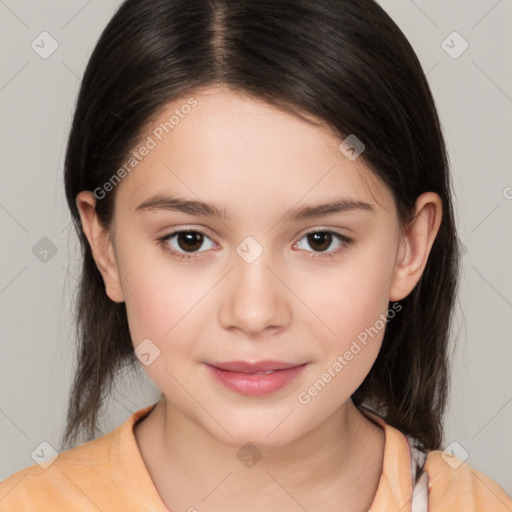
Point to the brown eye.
(189, 240)
(320, 240)
(186, 243)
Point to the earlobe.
(101, 245)
(415, 245)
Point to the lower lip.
(256, 384)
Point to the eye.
(320, 240)
(184, 244)
(188, 241)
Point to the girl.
(262, 195)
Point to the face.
(253, 283)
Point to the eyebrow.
(200, 208)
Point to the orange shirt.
(108, 474)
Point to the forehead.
(235, 149)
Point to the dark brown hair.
(342, 61)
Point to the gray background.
(473, 95)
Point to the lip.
(259, 366)
(248, 378)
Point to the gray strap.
(419, 502)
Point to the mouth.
(259, 378)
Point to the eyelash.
(345, 243)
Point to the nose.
(255, 298)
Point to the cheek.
(160, 308)
(353, 308)
(156, 304)
(352, 301)
(351, 297)
(165, 303)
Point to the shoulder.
(455, 485)
(61, 481)
(106, 473)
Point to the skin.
(290, 304)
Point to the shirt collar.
(394, 491)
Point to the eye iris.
(193, 239)
(318, 238)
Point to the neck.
(340, 455)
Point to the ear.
(101, 245)
(415, 245)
